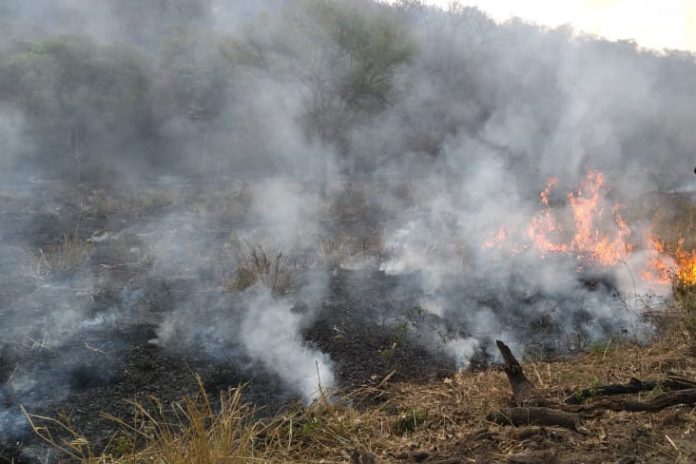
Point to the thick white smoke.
(272, 115)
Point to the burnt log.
(524, 392)
(525, 416)
(633, 386)
(361, 457)
(685, 397)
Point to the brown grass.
(445, 419)
(66, 256)
(256, 264)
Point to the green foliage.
(192, 75)
(602, 347)
(72, 77)
(71, 89)
(369, 50)
(311, 426)
(388, 354)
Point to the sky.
(655, 24)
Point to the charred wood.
(685, 397)
(633, 386)
(523, 391)
(524, 416)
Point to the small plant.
(312, 426)
(657, 391)
(579, 397)
(601, 348)
(410, 421)
(121, 445)
(270, 268)
(388, 354)
(593, 387)
(67, 256)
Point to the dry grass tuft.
(189, 431)
(67, 256)
(256, 264)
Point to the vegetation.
(78, 95)
(255, 265)
(176, 90)
(313, 89)
(399, 422)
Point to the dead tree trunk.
(523, 391)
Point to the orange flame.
(496, 241)
(660, 269)
(586, 239)
(594, 231)
(685, 267)
(663, 269)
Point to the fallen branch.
(535, 416)
(685, 397)
(633, 386)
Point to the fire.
(660, 268)
(664, 269)
(496, 241)
(584, 238)
(686, 265)
(592, 229)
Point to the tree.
(192, 83)
(78, 96)
(347, 59)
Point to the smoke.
(240, 154)
(263, 324)
(13, 142)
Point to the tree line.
(365, 81)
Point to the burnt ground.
(102, 367)
(123, 365)
(369, 323)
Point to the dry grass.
(67, 256)
(190, 431)
(395, 422)
(343, 250)
(685, 303)
(674, 219)
(256, 264)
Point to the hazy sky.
(652, 23)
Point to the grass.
(67, 256)
(256, 264)
(190, 431)
(444, 418)
(685, 302)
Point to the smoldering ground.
(302, 189)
